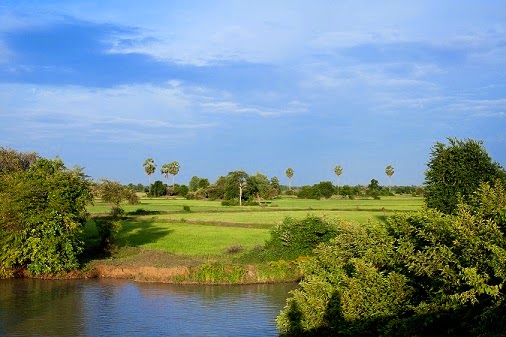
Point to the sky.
(258, 86)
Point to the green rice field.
(209, 229)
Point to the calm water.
(123, 308)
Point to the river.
(107, 307)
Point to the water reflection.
(120, 308)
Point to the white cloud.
(174, 110)
(38, 112)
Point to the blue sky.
(259, 86)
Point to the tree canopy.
(455, 170)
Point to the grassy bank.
(160, 240)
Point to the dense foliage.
(42, 211)
(455, 171)
(292, 238)
(324, 189)
(428, 274)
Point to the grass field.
(209, 229)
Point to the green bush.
(231, 202)
(107, 229)
(42, 209)
(293, 238)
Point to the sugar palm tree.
(289, 174)
(149, 167)
(338, 170)
(390, 172)
(165, 171)
(173, 168)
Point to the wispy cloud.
(293, 107)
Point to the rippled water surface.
(123, 308)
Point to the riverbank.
(144, 265)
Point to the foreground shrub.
(428, 274)
(42, 210)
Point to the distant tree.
(390, 172)
(455, 170)
(181, 190)
(289, 173)
(149, 167)
(204, 183)
(258, 185)
(235, 184)
(158, 189)
(165, 171)
(218, 189)
(338, 170)
(373, 189)
(275, 186)
(174, 170)
(326, 189)
(114, 193)
(193, 185)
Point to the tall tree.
(455, 170)
(235, 185)
(338, 170)
(289, 173)
(174, 170)
(390, 172)
(165, 171)
(149, 167)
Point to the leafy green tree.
(289, 174)
(193, 185)
(174, 170)
(218, 189)
(275, 187)
(373, 189)
(455, 170)
(158, 189)
(204, 183)
(42, 210)
(149, 168)
(258, 186)
(390, 172)
(115, 193)
(181, 190)
(235, 185)
(338, 170)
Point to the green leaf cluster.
(454, 172)
(42, 211)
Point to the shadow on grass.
(141, 211)
(140, 232)
(133, 233)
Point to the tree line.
(244, 187)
